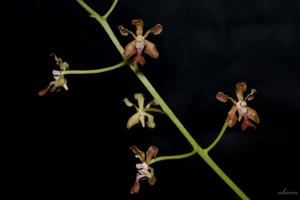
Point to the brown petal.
(151, 153)
(136, 187)
(150, 49)
(123, 31)
(157, 29)
(232, 118)
(45, 90)
(222, 97)
(252, 114)
(246, 123)
(139, 24)
(139, 59)
(129, 50)
(250, 96)
(240, 88)
(138, 153)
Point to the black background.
(75, 145)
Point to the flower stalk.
(173, 157)
(215, 142)
(199, 150)
(95, 71)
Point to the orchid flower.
(141, 113)
(240, 106)
(59, 79)
(140, 44)
(144, 170)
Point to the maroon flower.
(240, 106)
(140, 44)
(144, 170)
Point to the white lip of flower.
(143, 169)
(57, 75)
(139, 42)
(242, 108)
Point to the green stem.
(104, 24)
(95, 71)
(174, 157)
(218, 138)
(202, 153)
(110, 9)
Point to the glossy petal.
(139, 24)
(232, 118)
(222, 97)
(252, 114)
(138, 153)
(130, 50)
(150, 49)
(123, 31)
(150, 121)
(151, 153)
(133, 120)
(140, 99)
(240, 89)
